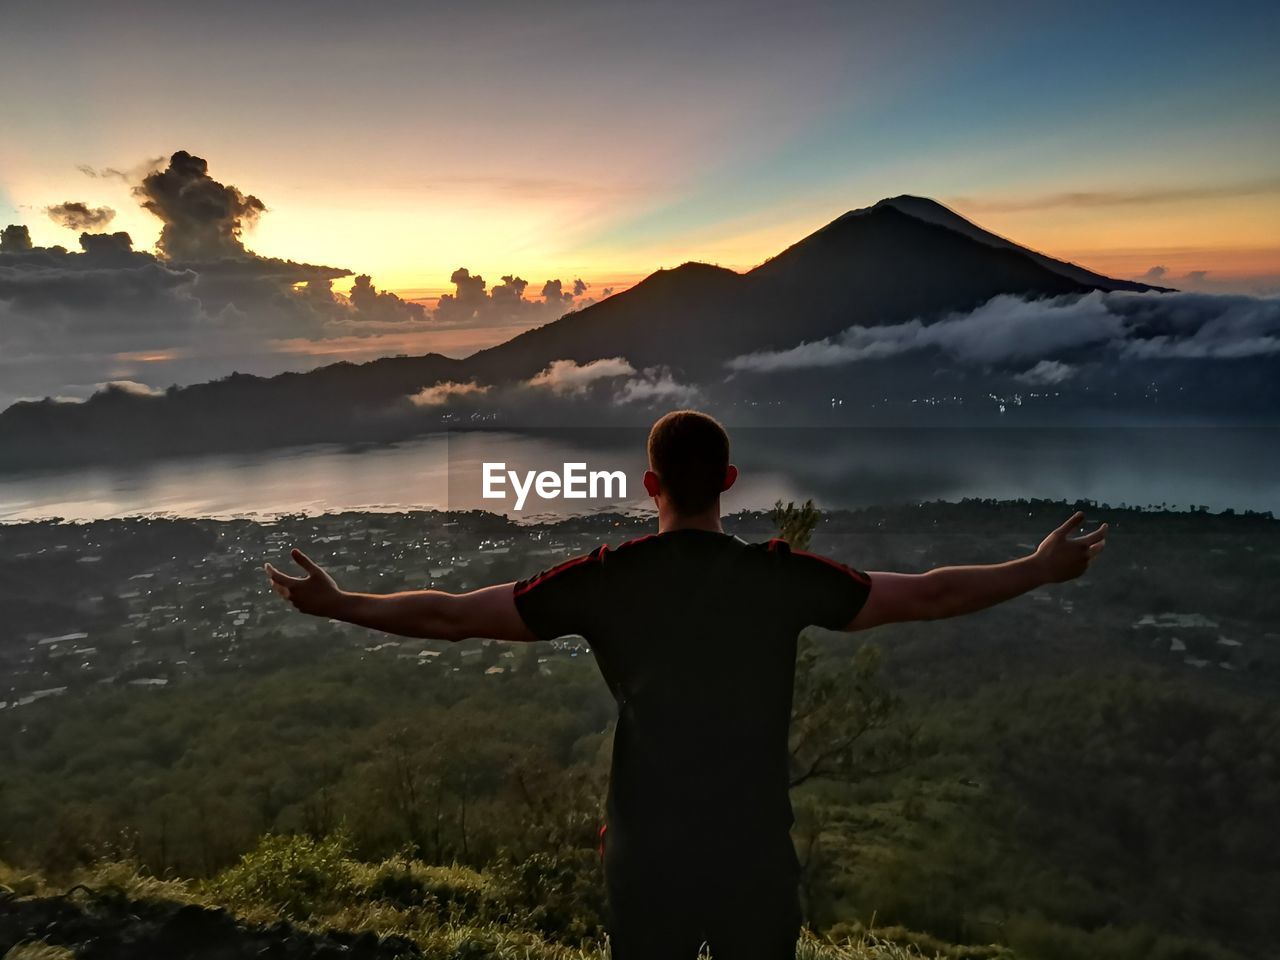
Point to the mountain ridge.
(873, 266)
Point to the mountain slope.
(882, 266)
(900, 259)
(649, 324)
(930, 211)
(341, 401)
(875, 266)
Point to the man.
(695, 633)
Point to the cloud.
(1008, 330)
(472, 304)
(1201, 326)
(1143, 196)
(1003, 329)
(657, 385)
(1046, 373)
(203, 219)
(568, 376)
(15, 238)
(76, 215)
(132, 387)
(70, 320)
(371, 304)
(131, 176)
(553, 292)
(442, 393)
(105, 248)
(203, 303)
(1155, 275)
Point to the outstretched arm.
(952, 591)
(489, 612)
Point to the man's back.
(695, 634)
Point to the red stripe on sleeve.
(858, 575)
(594, 557)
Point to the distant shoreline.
(612, 518)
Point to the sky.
(597, 142)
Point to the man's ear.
(730, 475)
(652, 485)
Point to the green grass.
(450, 912)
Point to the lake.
(1215, 467)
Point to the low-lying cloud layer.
(568, 376)
(1047, 336)
(441, 393)
(650, 385)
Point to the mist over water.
(1215, 467)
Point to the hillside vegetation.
(1055, 777)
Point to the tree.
(838, 707)
(795, 524)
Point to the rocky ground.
(104, 926)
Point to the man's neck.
(669, 521)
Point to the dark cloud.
(505, 303)
(203, 219)
(71, 320)
(553, 292)
(15, 238)
(76, 215)
(1155, 275)
(102, 247)
(372, 304)
(133, 175)
(469, 301)
(204, 304)
(509, 294)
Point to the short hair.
(689, 451)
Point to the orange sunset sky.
(605, 141)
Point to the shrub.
(455, 894)
(295, 876)
(559, 895)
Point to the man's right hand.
(1061, 557)
(316, 593)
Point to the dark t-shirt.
(695, 633)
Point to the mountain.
(693, 307)
(342, 401)
(930, 211)
(903, 258)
